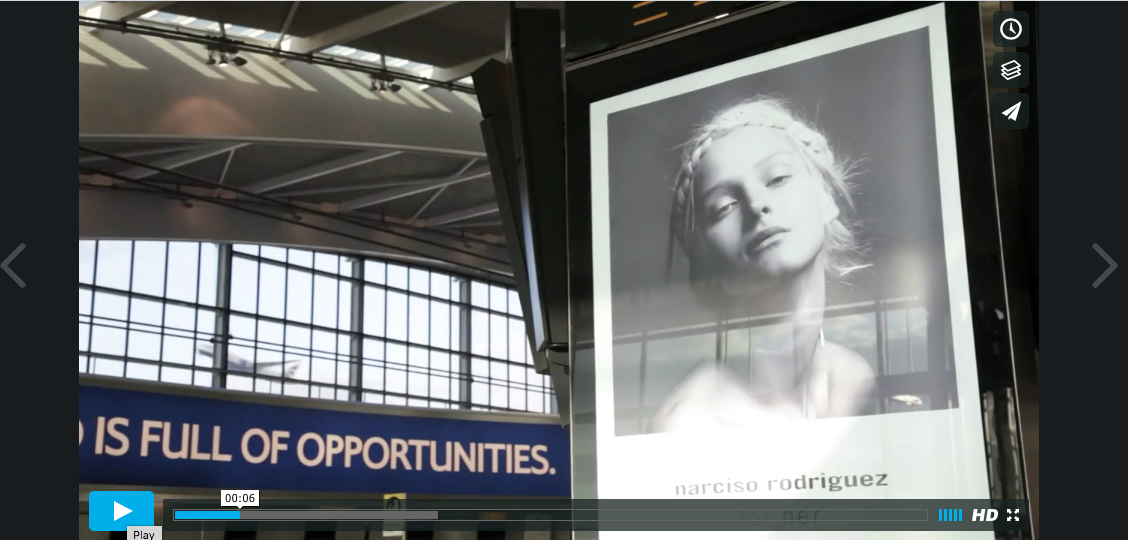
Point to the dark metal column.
(222, 315)
(356, 339)
(464, 323)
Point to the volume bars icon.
(1011, 69)
(951, 514)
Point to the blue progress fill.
(207, 514)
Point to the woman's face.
(762, 210)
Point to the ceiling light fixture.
(382, 83)
(222, 56)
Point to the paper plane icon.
(1012, 112)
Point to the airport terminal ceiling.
(415, 164)
(448, 193)
(442, 35)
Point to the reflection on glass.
(858, 332)
(892, 338)
(906, 340)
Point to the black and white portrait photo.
(777, 246)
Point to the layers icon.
(1011, 69)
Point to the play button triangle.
(120, 511)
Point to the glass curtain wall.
(303, 324)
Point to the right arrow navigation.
(1111, 266)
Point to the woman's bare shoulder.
(846, 363)
(706, 397)
(851, 376)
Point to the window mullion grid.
(330, 329)
(461, 322)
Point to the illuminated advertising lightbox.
(781, 297)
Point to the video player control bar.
(303, 515)
(614, 515)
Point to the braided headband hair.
(841, 244)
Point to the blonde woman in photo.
(760, 211)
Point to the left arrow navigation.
(7, 270)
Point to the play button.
(120, 511)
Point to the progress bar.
(303, 515)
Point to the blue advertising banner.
(128, 437)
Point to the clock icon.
(1011, 29)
